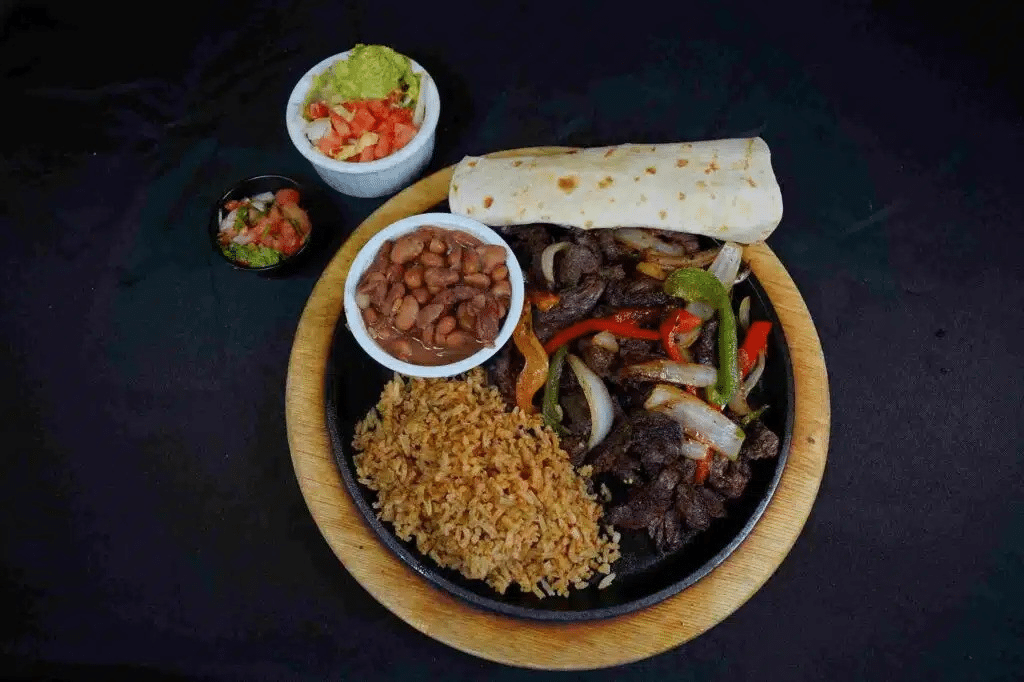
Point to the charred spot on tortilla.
(750, 181)
(488, 201)
(651, 170)
(608, 153)
(602, 184)
(455, 188)
(636, 179)
(469, 210)
(702, 184)
(712, 167)
(471, 163)
(682, 162)
(517, 163)
(574, 151)
(662, 214)
(643, 198)
(589, 223)
(682, 196)
(568, 183)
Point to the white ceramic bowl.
(365, 257)
(368, 178)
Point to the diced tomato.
(298, 217)
(382, 148)
(379, 107)
(286, 196)
(340, 126)
(386, 128)
(366, 154)
(232, 205)
(330, 143)
(402, 115)
(403, 134)
(363, 121)
(317, 110)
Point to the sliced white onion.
(743, 317)
(693, 449)
(724, 268)
(644, 240)
(687, 339)
(602, 411)
(244, 238)
(317, 128)
(698, 419)
(682, 373)
(547, 260)
(739, 404)
(701, 259)
(606, 340)
(263, 197)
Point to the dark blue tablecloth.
(151, 523)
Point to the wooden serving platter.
(531, 644)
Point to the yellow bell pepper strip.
(550, 409)
(678, 321)
(755, 342)
(535, 371)
(694, 284)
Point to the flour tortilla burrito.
(722, 188)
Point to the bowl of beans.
(434, 295)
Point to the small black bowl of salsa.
(263, 223)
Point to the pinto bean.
(370, 317)
(428, 314)
(402, 348)
(455, 257)
(464, 293)
(370, 280)
(414, 277)
(378, 293)
(466, 317)
(458, 339)
(381, 260)
(445, 326)
(470, 262)
(395, 273)
(362, 300)
(432, 260)
(394, 298)
(421, 295)
(407, 248)
(427, 335)
(440, 277)
(499, 273)
(478, 280)
(487, 322)
(407, 313)
(477, 303)
(437, 246)
(502, 288)
(491, 256)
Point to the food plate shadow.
(644, 575)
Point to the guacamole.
(369, 72)
(253, 255)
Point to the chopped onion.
(738, 404)
(698, 419)
(317, 128)
(701, 259)
(264, 197)
(644, 240)
(687, 339)
(724, 268)
(420, 112)
(693, 449)
(602, 411)
(606, 340)
(682, 373)
(547, 260)
(229, 220)
(744, 313)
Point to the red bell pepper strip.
(755, 342)
(703, 469)
(598, 324)
(678, 321)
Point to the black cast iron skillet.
(644, 576)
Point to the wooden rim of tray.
(542, 645)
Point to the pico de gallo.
(264, 229)
(364, 107)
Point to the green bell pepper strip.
(551, 411)
(694, 284)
